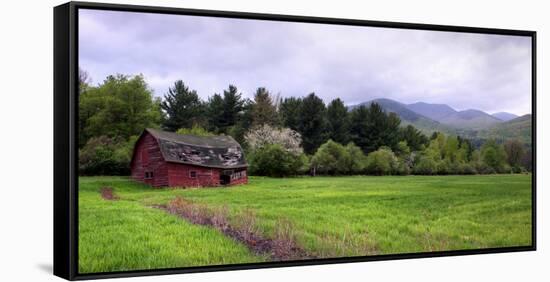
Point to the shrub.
(494, 156)
(402, 168)
(195, 130)
(274, 160)
(106, 156)
(444, 167)
(466, 168)
(381, 162)
(357, 160)
(331, 158)
(425, 165)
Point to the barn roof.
(213, 151)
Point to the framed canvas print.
(195, 140)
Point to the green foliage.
(183, 107)
(494, 156)
(381, 162)
(274, 160)
(425, 165)
(123, 106)
(451, 149)
(331, 158)
(514, 153)
(195, 130)
(106, 156)
(263, 109)
(313, 123)
(357, 160)
(372, 128)
(289, 111)
(215, 113)
(415, 139)
(120, 107)
(244, 123)
(338, 121)
(404, 158)
(335, 159)
(516, 129)
(232, 106)
(359, 122)
(402, 149)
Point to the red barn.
(168, 159)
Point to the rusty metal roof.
(220, 151)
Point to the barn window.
(193, 174)
(148, 174)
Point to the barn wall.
(149, 158)
(179, 175)
(241, 180)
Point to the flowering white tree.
(267, 135)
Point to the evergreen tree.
(232, 106)
(223, 111)
(338, 121)
(359, 128)
(183, 107)
(372, 128)
(414, 138)
(263, 109)
(289, 111)
(312, 125)
(244, 123)
(215, 113)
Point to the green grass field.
(330, 217)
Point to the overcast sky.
(487, 72)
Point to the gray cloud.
(487, 72)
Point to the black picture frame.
(66, 133)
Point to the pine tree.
(289, 111)
(263, 109)
(338, 121)
(232, 106)
(183, 107)
(312, 125)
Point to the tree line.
(281, 136)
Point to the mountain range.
(472, 122)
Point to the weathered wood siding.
(180, 175)
(148, 158)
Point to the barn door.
(225, 179)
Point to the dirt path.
(281, 248)
(108, 193)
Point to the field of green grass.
(330, 217)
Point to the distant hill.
(470, 119)
(518, 128)
(474, 124)
(433, 111)
(423, 123)
(504, 116)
